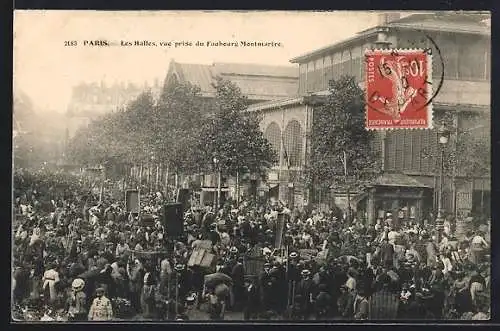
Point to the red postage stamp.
(398, 89)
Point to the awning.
(398, 180)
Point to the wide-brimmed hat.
(305, 272)
(293, 255)
(233, 249)
(78, 284)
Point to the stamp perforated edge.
(430, 111)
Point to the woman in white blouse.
(50, 278)
(446, 263)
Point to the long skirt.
(476, 255)
(35, 288)
(474, 288)
(148, 301)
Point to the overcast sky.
(46, 70)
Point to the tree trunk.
(238, 188)
(148, 177)
(219, 179)
(348, 206)
(141, 173)
(167, 176)
(157, 176)
(103, 179)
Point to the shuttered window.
(318, 75)
(328, 73)
(407, 149)
(302, 77)
(449, 46)
(472, 59)
(356, 63)
(310, 77)
(346, 63)
(390, 151)
(417, 150)
(399, 150)
(337, 65)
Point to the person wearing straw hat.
(101, 308)
(305, 288)
(252, 299)
(77, 301)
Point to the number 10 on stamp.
(398, 89)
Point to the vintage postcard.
(251, 166)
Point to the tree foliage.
(179, 131)
(338, 128)
(468, 152)
(232, 134)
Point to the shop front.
(403, 196)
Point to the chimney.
(388, 17)
(383, 20)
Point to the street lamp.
(217, 197)
(443, 138)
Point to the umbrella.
(212, 280)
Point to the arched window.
(346, 63)
(273, 135)
(293, 143)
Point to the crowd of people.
(80, 256)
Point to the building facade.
(409, 183)
(91, 100)
(259, 83)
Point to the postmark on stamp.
(398, 89)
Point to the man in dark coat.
(386, 253)
(238, 275)
(306, 290)
(265, 286)
(384, 303)
(251, 300)
(323, 303)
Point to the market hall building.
(259, 83)
(409, 184)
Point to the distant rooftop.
(256, 81)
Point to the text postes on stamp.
(398, 89)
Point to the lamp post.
(102, 170)
(217, 196)
(150, 171)
(443, 138)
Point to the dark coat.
(384, 305)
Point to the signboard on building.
(273, 176)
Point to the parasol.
(215, 279)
